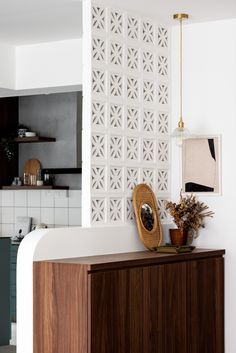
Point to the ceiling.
(35, 21)
(199, 10)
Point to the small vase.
(178, 237)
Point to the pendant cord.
(181, 71)
(180, 17)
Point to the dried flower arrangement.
(189, 213)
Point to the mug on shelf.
(21, 132)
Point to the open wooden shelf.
(61, 170)
(34, 187)
(34, 139)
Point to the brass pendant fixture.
(181, 133)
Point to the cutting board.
(32, 166)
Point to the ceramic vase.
(178, 237)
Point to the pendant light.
(180, 133)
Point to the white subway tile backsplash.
(7, 214)
(75, 198)
(20, 197)
(61, 198)
(35, 214)
(7, 198)
(47, 215)
(75, 216)
(53, 207)
(8, 230)
(20, 212)
(34, 198)
(61, 216)
(47, 198)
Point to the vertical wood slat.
(153, 309)
(174, 304)
(60, 308)
(205, 305)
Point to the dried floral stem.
(189, 213)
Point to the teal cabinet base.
(5, 322)
(14, 250)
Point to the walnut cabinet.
(138, 302)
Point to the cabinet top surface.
(139, 258)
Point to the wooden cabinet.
(139, 302)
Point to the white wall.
(55, 65)
(7, 66)
(210, 108)
(49, 64)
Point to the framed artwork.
(201, 165)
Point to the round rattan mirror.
(147, 217)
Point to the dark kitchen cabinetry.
(134, 303)
(14, 250)
(9, 120)
(8, 256)
(5, 321)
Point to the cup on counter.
(33, 179)
(46, 179)
(17, 181)
(26, 179)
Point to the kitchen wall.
(56, 208)
(210, 108)
(55, 115)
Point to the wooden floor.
(7, 349)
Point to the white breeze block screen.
(130, 112)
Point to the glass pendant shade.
(180, 134)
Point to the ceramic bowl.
(30, 134)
